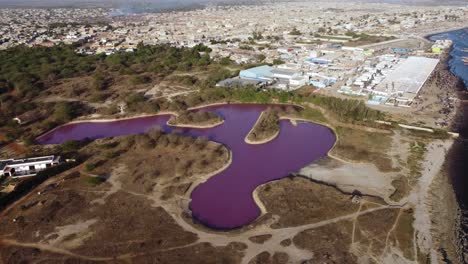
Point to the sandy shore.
(105, 120)
(195, 126)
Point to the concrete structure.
(17, 168)
(238, 82)
(257, 73)
(403, 84)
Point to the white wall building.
(17, 168)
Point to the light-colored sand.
(196, 126)
(97, 120)
(363, 177)
(419, 197)
(80, 231)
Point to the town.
(270, 132)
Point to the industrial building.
(285, 77)
(17, 168)
(403, 84)
(258, 73)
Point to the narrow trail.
(355, 221)
(387, 238)
(51, 249)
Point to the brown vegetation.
(330, 242)
(70, 210)
(190, 118)
(362, 146)
(308, 203)
(266, 128)
(266, 258)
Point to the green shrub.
(94, 181)
(90, 166)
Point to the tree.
(261, 57)
(257, 35)
(278, 62)
(295, 32)
(63, 112)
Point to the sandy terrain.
(349, 177)
(140, 214)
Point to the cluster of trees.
(27, 72)
(30, 70)
(346, 109)
(257, 35)
(295, 32)
(162, 59)
(189, 117)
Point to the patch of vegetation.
(364, 39)
(278, 62)
(26, 73)
(307, 113)
(111, 155)
(200, 118)
(94, 181)
(90, 166)
(266, 127)
(245, 47)
(109, 145)
(417, 151)
(404, 233)
(291, 199)
(295, 32)
(401, 188)
(346, 109)
(373, 227)
(362, 146)
(72, 145)
(172, 160)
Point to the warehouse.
(403, 84)
(258, 73)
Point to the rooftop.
(12, 162)
(409, 76)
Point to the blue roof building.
(257, 73)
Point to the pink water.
(225, 201)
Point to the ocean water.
(460, 43)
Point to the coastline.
(446, 199)
(445, 215)
(433, 33)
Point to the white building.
(17, 168)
